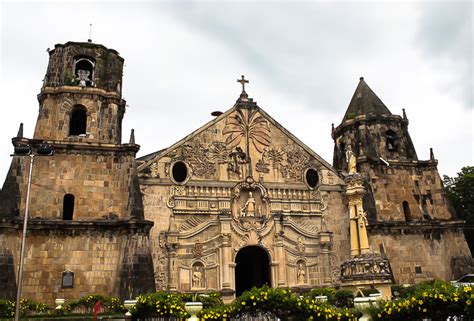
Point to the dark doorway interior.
(252, 269)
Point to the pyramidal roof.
(365, 102)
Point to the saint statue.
(351, 161)
(83, 77)
(197, 277)
(249, 208)
(301, 274)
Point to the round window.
(179, 172)
(312, 177)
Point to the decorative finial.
(90, 33)
(20, 131)
(243, 81)
(432, 157)
(332, 128)
(132, 137)
(361, 78)
(404, 114)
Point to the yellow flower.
(243, 303)
(425, 309)
(468, 302)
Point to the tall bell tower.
(81, 100)
(92, 174)
(85, 210)
(403, 194)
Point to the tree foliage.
(460, 191)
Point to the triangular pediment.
(243, 141)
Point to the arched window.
(78, 122)
(84, 71)
(68, 207)
(406, 211)
(391, 142)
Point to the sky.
(303, 60)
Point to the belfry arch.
(252, 269)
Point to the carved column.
(226, 257)
(281, 259)
(172, 246)
(353, 230)
(358, 232)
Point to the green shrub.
(162, 304)
(27, 308)
(281, 303)
(435, 300)
(111, 304)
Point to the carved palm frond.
(254, 126)
(235, 129)
(259, 133)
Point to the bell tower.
(80, 100)
(91, 174)
(399, 186)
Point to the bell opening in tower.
(84, 71)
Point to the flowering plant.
(436, 300)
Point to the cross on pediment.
(243, 81)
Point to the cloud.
(303, 60)
(445, 36)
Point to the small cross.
(243, 81)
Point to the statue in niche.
(301, 274)
(83, 77)
(237, 158)
(248, 210)
(198, 277)
(351, 161)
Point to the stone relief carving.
(193, 222)
(161, 275)
(334, 269)
(197, 250)
(250, 125)
(198, 158)
(262, 164)
(296, 162)
(369, 266)
(300, 247)
(237, 159)
(250, 205)
(218, 153)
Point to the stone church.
(240, 202)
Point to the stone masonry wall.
(104, 114)
(99, 182)
(99, 256)
(432, 251)
(419, 186)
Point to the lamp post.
(21, 149)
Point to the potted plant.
(130, 303)
(365, 299)
(193, 308)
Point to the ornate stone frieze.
(199, 199)
(366, 267)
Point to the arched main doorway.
(252, 269)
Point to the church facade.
(238, 203)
